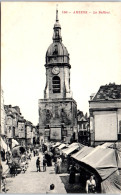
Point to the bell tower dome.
(57, 110)
(57, 66)
(57, 52)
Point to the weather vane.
(56, 12)
(56, 6)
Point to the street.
(35, 182)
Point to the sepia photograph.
(60, 97)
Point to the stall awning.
(4, 145)
(103, 160)
(107, 145)
(14, 143)
(117, 147)
(57, 144)
(71, 148)
(112, 185)
(18, 151)
(61, 146)
(82, 153)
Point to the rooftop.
(108, 92)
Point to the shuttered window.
(56, 84)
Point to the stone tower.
(58, 110)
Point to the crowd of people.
(46, 157)
(51, 158)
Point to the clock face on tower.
(55, 70)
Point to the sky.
(92, 39)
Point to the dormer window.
(55, 52)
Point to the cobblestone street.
(35, 182)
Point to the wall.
(21, 130)
(104, 120)
(105, 125)
(57, 113)
(2, 114)
(9, 131)
(28, 132)
(64, 75)
(119, 120)
(15, 120)
(105, 104)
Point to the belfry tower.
(58, 110)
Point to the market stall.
(71, 148)
(19, 159)
(103, 163)
(117, 147)
(66, 154)
(82, 153)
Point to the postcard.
(60, 97)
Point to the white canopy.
(117, 147)
(71, 148)
(107, 145)
(14, 143)
(4, 145)
(61, 146)
(103, 160)
(57, 144)
(82, 153)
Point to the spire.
(57, 29)
(57, 13)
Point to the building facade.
(58, 110)
(17, 128)
(20, 136)
(3, 116)
(29, 133)
(105, 115)
(83, 128)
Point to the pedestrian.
(4, 182)
(56, 168)
(72, 170)
(91, 185)
(13, 169)
(43, 148)
(7, 157)
(38, 164)
(59, 161)
(31, 149)
(44, 164)
(52, 190)
(3, 154)
(69, 163)
(33, 153)
(49, 159)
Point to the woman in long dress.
(91, 185)
(72, 174)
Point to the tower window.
(56, 33)
(56, 84)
